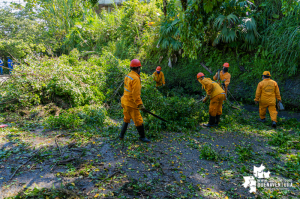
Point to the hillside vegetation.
(62, 101)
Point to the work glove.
(141, 107)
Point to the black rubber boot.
(123, 130)
(211, 123)
(274, 124)
(262, 120)
(141, 131)
(217, 120)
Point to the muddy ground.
(169, 167)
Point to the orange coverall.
(223, 77)
(159, 78)
(131, 99)
(266, 94)
(217, 96)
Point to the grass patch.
(208, 153)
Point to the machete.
(155, 115)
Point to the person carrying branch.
(1, 66)
(266, 94)
(159, 77)
(10, 65)
(131, 101)
(216, 94)
(223, 77)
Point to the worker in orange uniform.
(216, 94)
(131, 101)
(266, 94)
(159, 77)
(224, 78)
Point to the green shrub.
(208, 153)
(244, 152)
(293, 163)
(292, 122)
(92, 115)
(64, 121)
(279, 139)
(76, 117)
(67, 81)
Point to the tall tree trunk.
(165, 7)
(184, 4)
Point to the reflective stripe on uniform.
(129, 77)
(127, 90)
(223, 93)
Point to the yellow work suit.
(216, 95)
(131, 99)
(224, 77)
(159, 78)
(266, 94)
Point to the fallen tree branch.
(161, 168)
(144, 193)
(24, 163)
(7, 102)
(58, 146)
(61, 154)
(163, 190)
(68, 193)
(14, 58)
(173, 169)
(202, 64)
(112, 175)
(116, 91)
(169, 193)
(15, 99)
(66, 161)
(160, 152)
(75, 149)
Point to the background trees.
(252, 35)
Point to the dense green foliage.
(21, 34)
(96, 49)
(252, 36)
(66, 81)
(76, 117)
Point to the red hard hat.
(158, 68)
(200, 75)
(226, 65)
(135, 63)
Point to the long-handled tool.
(239, 107)
(219, 81)
(155, 115)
